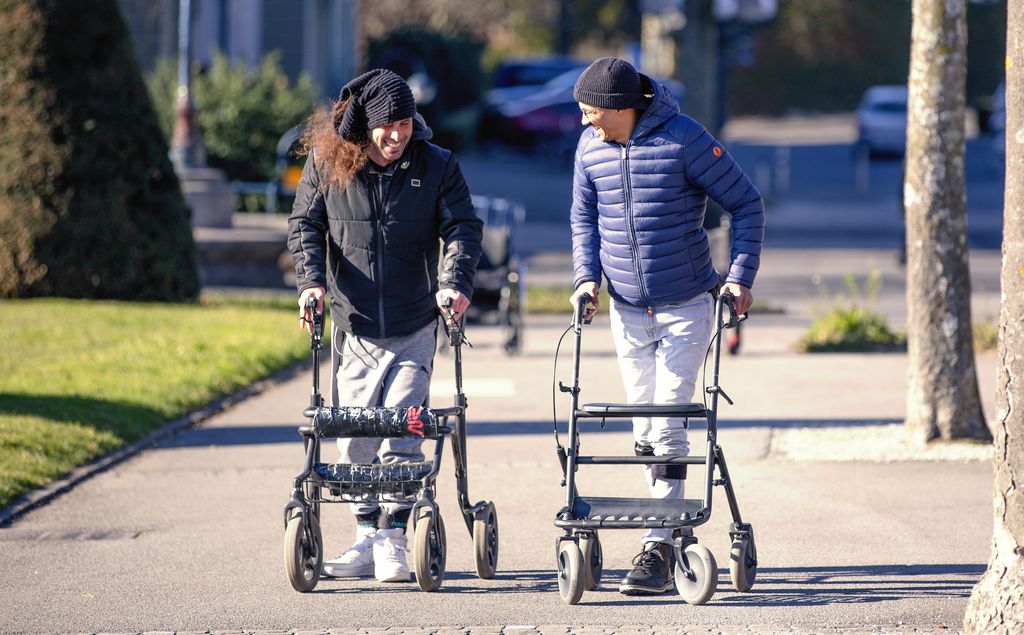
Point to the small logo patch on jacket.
(717, 151)
(415, 182)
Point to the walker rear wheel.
(700, 586)
(429, 550)
(743, 563)
(570, 574)
(303, 551)
(485, 541)
(593, 561)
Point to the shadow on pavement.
(817, 586)
(812, 586)
(783, 586)
(262, 435)
(530, 581)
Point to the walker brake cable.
(554, 385)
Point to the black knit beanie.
(609, 83)
(378, 97)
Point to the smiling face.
(610, 125)
(387, 142)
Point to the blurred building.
(315, 36)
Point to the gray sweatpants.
(390, 372)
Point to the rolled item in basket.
(414, 421)
(373, 473)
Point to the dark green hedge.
(89, 204)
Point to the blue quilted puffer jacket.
(638, 210)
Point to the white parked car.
(882, 120)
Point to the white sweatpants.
(660, 354)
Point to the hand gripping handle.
(582, 300)
(317, 335)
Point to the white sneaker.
(357, 561)
(389, 560)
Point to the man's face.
(610, 125)
(388, 141)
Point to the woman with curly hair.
(374, 199)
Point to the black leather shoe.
(652, 571)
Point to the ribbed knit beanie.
(377, 97)
(609, 83)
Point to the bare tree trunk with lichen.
(997, 605)
(942, 387)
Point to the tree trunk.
(697, 63)
(942, 388)
(997, 605)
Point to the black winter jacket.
(383, 272)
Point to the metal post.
(186, 144)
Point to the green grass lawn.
(79, 379)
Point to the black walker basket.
(321, 482)
(578, 550)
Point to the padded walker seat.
(604, 410)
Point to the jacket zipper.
(633, 242)
(379, 211)
(627, 184)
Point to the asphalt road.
(818, 191)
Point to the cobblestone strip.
(565, 629)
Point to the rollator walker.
(578, 550)
(321, 482)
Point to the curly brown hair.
(337, 159)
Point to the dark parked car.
(532, 72)
(547, 119)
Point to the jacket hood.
(663, 107)
(420, 130)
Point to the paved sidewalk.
(187, 536)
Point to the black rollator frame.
(321, 482)
(578, 550)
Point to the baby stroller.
(499, 287)
(346, 483)
(578, 550)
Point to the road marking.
(480, 387)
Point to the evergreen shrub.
(90, 206)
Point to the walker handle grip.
(582, 300)
(318, 323)
(734, 318)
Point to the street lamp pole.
(186, 145)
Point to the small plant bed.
(850, 323)
(80, 379)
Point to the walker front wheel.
(570, 572)
(303, 551)
(485, 541)
(698, 587)
(743, 563)
(429, 550)
(593, 561)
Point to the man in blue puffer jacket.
(643, 174)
